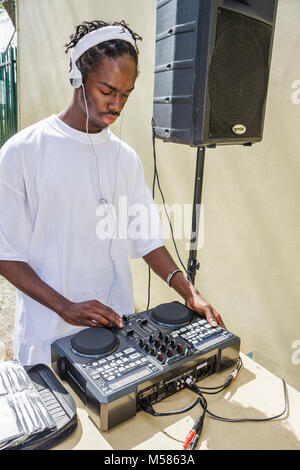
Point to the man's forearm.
(22, 276)
(162, 263)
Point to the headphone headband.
(91, 39)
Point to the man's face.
(107, 90)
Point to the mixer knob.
(125, 318)
(179, 348)
(144, 321)
(157, 342)
(173, 342)
(141, 343)
(167, 338)
(160, 356)
(153, 351)
(170, 352)
(160, 335)
(147, 347)
(130, 332)
(151, 338)
(164, 347)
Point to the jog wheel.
(94, 342)
(172, 315)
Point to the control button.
(144, 321)
(135, 355)
(129, 350)
(130, 332)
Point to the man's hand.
(91, 313)
(196, 302)
(161, 262)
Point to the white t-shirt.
(50, 217)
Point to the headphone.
(91, 39)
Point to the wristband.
(170, 276)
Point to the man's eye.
(104, 93)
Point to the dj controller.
(113, 370)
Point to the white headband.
(91, 39)
(97, 36)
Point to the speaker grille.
(238, 75)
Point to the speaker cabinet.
(212, 70)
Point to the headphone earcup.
(76, 78)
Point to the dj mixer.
(113, 370)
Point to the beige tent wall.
(250, 266)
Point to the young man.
(56, 177)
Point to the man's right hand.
(92, 313)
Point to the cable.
(148, 408)
(102, 200)
(196, 390)
(156, 178)
(227, 382)
(237, 420)
(163, 198)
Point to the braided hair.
(92, 58)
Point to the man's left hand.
(197, 303)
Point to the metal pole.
(193, 264)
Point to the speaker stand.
(193, 265)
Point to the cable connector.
(191, 384)
(193, 436)
(231, 377)
(189, 438)
(146, 406)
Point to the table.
(255, 393)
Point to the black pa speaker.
(212, 70)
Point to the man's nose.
(115, 103)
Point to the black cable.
(227, 382)
(237, 420)
(153, 195)
(146, 406)
(156, 178)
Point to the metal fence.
(8, 94)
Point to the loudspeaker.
(212, 68)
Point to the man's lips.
(109, 118)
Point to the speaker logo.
(239, 129)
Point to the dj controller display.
(113, 370)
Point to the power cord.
(148, 408)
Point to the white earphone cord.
(100, 198)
